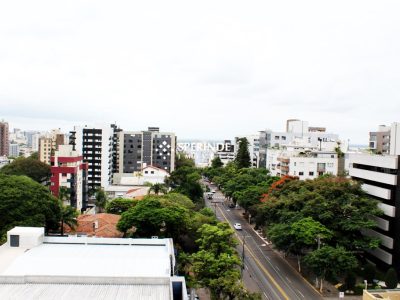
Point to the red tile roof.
(107, 225)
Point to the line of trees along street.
(317, 221)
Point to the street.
(265, 270)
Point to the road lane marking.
(301, 293)
(258, 262)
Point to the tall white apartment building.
(97, 145)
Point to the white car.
(237, 226)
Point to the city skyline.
(204, 71)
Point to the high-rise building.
(4, 141)
(380, 178)
(13, 150)
(98, 146)
(379, 175)
(138, 149)
(49, 143)
(69, 171)
(32, 140)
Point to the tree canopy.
(24, 202)
(120, 205)
(33, 168)
(216, 264)
(242, 159)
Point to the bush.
(391, 279)
(358, 289)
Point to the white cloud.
(209, 69)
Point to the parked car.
(237, 226)
(231, 205)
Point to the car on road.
(237, 226)
(231, 205)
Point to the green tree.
(33, 168)
(297, 237)
(68, 217)
(337, 203)
(24, 202)
(155, 215)
(330, 262)
(34, 155)
(64, 194)
(215, 265)
(101, 199)
(242, 159)
(157, 188)
(182, 161)
(120, 205)
(249, 196)
(391, 280)
(217, 163)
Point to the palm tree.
(138, 175)
(63, 194)
(157, 188)
(101, 199)
(68, 217)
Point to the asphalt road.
(265, 270)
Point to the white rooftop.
(82, 256)
(88, 268)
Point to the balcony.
(373, 176)
(377, 191)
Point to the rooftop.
(87, 268)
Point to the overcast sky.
(203, 69)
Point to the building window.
(64, 174)
(301, 173)
(283, 138)
(146, 172)
(152, 172)
(311, 173)
(276, 137)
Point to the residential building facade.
(70, 172)
(379, 141)
(4, 139)
(49, 143)
(297, 135)
(138, 149)
(379, 175)
(303, 163)
(97, 145)
(13, 150)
